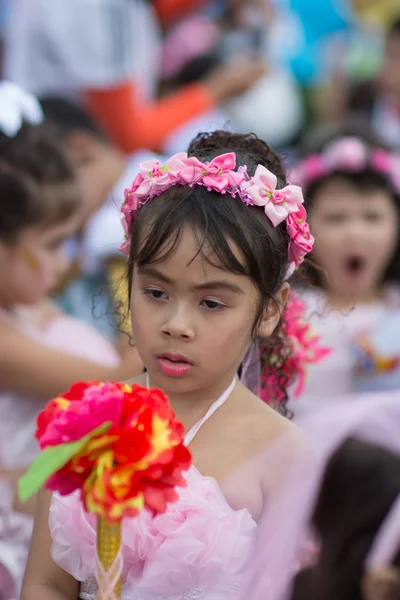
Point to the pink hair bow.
(278, 204)
(349, 153)
(216, 175)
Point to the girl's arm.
(44, 580)
(29, 367)
(12, 477)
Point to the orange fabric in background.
(132, 126)
(171, 10)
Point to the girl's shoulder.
(266, 424)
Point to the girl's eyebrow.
(228, 286)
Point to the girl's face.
(192, 321)
(31, 267)
(356, 235)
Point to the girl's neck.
(190, 406)
(343, 302)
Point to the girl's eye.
(213, 305)
(373, 217)
(155, 294)
(335, 218)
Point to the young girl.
(212, 239)
(41, 350)
(353, 194)
(357, 515)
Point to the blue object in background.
(318, 20)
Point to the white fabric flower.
(16, 107)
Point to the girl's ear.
(273, 312)
(382, 584)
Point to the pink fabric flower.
(312, 167)
(380, 160)
(220, 175)
(193, 171)
(302, 348)
(348, 153)
(301, 239)
(158, 177)
(216, 175)
(79, 418)
(278, 204)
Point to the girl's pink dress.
(200, 549)
(18, 446)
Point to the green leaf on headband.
(51, 460)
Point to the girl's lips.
(175, 358)
(173, 368)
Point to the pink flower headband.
(285, 204)
(350, 155)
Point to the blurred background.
(120, 81)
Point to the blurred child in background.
(107, 56)
(103, 172)
(357, 514)
(353, 192)
(42, 351)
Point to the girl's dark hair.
(365, 181)
(361, 483)
(37, 185)
(218, 220)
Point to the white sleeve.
(94, 38)
(90, 40)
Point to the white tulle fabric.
(197, 549)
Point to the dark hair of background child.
(361, 483)
(37, 184)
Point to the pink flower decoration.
(380, 161)
(216, 175)
(79, 418)
(132, 199)
(302, 348)
(158, 177)
(278, 204)
(312, 167)
(301, 239)
(348, 153)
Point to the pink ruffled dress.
(18, 446)
(196, 550)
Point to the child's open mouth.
(355, 265)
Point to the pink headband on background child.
(349, 155)
(279, 205)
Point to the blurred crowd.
(121, 81)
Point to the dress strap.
(214, 406)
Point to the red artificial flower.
(138, 462)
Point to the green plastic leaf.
(51, 460)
